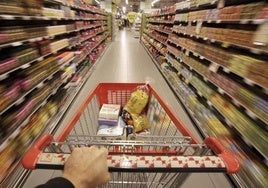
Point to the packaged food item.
(138, 100)
(109, 111)
(112, 130)
(140, 122)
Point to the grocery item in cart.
(138, 100)
(109, 111)
(133, 112)
(140, 122)
(112, 130)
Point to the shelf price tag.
(3, 76)
(214, 67)
(249, 82)
(225, 44)
(221, 91)
(221, 4)
(228, 122)
(251, 114)
(198, 27)
(236, 102)
(187, 52)
(209, 103)
(226, 70)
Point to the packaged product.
(138, 100)
(140, 122)
(109, 111)
(112, 130)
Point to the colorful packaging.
(109, 111)
(140, 122)
(138, 100)
(112, 130)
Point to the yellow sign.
(131, 16)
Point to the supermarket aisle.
(125, 60)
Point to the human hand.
(87, 167)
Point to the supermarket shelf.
(159, 30)
(214, 66)
(235, 101)
(36, 39)
(162, 42)
(188, 7)
(77, 7)
(237, 21)
(160, 21)
(154, 47)
(249, 175)
(163, 14)
(36, 102)
(52, 125)
(232, 21)
(226, 43)
(26, 65)
(236, 179)
(24, 122)
(21, 98)
(53, 122)
(79, 61)
(172, 85)
(191, 114)
(29, 18)
(248, 141)
(88, 37)
(41, 58)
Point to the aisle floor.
(125, 60)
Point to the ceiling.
(134, 5)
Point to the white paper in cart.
(109, 111)
(112, 130)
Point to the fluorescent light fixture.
(124, 9)
(127, 2)
(97, 1)
(155, 1)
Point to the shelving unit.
(48, 49)
(213, 54)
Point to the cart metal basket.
(163, 157)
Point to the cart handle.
(30, 158)
(229, 159)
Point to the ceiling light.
(127, 2)
(97, 1)
(155, 1)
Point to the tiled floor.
(125, 60)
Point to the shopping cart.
(161, 157)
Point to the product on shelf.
(64, 57)
(15, 57)
(49, 12)
(53, 30)
(58, 44)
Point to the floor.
(125, 60)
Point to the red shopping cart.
(161, 158)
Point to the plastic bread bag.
(140, 122)
(138, 100)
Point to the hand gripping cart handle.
(168, 150)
